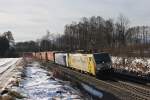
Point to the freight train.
(93, 63)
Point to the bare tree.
(122, 26)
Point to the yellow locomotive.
(90, 63)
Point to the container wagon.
(34, 54)
(44, 55)
(38, 55)
(50, 56)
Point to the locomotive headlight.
(98, 68)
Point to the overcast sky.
(29, 19)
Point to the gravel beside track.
(123, 91)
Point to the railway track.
(7, 72)
(132, 88)
(133, 78)
(139, 87)
(122, 90)
(129, 91)
(3, 65)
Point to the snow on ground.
(39, 85)
(134, 64)
(5, 63)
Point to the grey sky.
(29, 19)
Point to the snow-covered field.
(5, 63)
(40, 85)
(132, 64)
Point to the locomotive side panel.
(61, 59)
(92, 65)
(82, 62)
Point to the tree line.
(96, 34)
(7, 45)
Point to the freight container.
(38, 55)
(44, 56)
(50, 56)
(34, 54)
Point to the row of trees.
(95, 34)
(7, 45)
(98, 34)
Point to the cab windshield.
(102, 58)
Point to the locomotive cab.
(102, 61)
